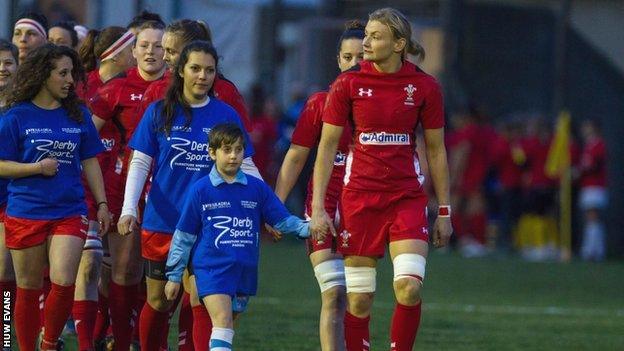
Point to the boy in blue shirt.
(219, 231)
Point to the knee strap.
(330, 274)
(409, 265)
(361, 279)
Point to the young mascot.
(220, 222)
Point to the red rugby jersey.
(308, 132)
(223, 89)
(121, 98)
(86, 90)
(593, 164)
(385, 110)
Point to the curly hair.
(175, 93)
(35, 71)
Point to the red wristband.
(444, 211)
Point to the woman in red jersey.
(112, 47)
(384, 99)
(118, 100)
(327, 263)
(8, 67)
(30, 32)
(47, 140)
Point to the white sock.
(221, 339)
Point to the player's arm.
(293, 164)
(98, 122)
(93, 174)
(276, 215)
(137, 175)
(323, 166)
(438, 168)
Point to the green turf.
(469, 304)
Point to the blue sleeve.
(249, 150)
(90, 143)
(145, 138)
(295, 226)
(9, 138)
(184, 237)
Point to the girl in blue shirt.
(47, 140)
(173, 136)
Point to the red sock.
(27, 308)
(356, 332)
(102, 319)
(141, 301)
(152, 324)
(84, 313)
(57, 309)
(202, 327)
(122, 300)
(185, 325)
(405, 322)
(164, 341)
(478, 224)
(43, 295)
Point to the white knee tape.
(330, 274)
(361, 279)
(409, 265)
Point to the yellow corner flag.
(558, 164)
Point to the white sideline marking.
(468, 308)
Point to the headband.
(117, 46)
(81, 31)
(28, 23)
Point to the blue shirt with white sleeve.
(221, 223)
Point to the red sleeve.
(104, 103)
(338, 102)
(309, 125)
(227, 92)
(432, 114)
(154, 92)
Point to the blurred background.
(512, 71)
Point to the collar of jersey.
(201, 104)
(216, 179)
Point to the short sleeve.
(9, 138)
(190, 219)
(273, 210)
(104, 102)
(432, 114)
(145, 138)
(309, 125)
(90, 143)
(338, 104)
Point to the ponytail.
(87, 50)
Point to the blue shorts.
(231, 279)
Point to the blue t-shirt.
(29, 134)
(227, 218)
(180, 159)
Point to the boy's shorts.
(371, 220)
(231, 279)
(22, 233)
(155, 245)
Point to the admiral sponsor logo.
(216, 205)
(367, 92)
(383, 138)
(340, 159)
(410, 89)
(249, 204)
(38, 131)
(135, 97)
(71, 130)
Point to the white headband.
(28, 23)
(81, 31)
(117, 46)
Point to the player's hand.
(275, 234)
(127, 224)
(442, 230)
(104, 219)
(171, 290)
(49, 167)
(320, 225)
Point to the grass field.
(469, 304)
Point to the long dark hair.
(68, 26)
(96, 42)
(175, 93)
(354, 29)
(35, 70)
